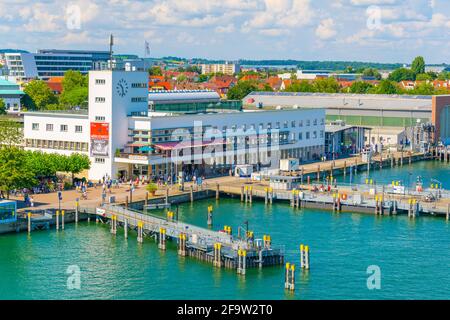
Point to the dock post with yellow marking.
(289, 281)
(29, 221)
(267, 241)
(62, 219)
(266, 196)
(162, 238)
(318, 173)
(217, 262)
(210, 215)
(77, 209)
(182, 244)
(140, 232)
(242, 261)
(57, 219)
(304, 257)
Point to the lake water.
(413, 256)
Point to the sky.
(361, 30)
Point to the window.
(99, 118)
(49, 127)
(315, 122)
(277, 125)
(269, 125)
(322, 121)
(63, 128)
(78, 129)
(321, 133)
(139, 99)
(293, 124)
(300, 123)
(300, 136)
(35, 126)
(100, 99)
(308, 123)
(314, 134)
(99, 160)
(307, 135)
(100, 81)
(285, 125)
(139, 85)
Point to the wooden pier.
(221, 249)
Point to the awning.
(146, 149)
(167, 146)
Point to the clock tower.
(113, 96)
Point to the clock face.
(122, 88)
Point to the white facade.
(225, 68)
(117, 125)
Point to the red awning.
(167, 146)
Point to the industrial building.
(127, 132)
(392, 117)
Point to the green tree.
(418, 65)
(360, 87)
(328, 85)
(2, 107)
(241, 89)
(423, 89)
(14, 170)
(11, 132)
(155, 71)
(73, 80)
(444, 75)
(402, 74)
(386, 87)
(38, 95)
(371, 72)
(76, 97)
(423, 77)
(76, 163)
(302, 86)
(181, 78)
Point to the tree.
(423, 89)
(402, 74)
(76, 163)
(360, 87)
(386, 87)
(2, 107)
(418, 65)
(75, 90)
(328, 85)
(14, 170)
(302, 86)
(371, 72)
(423, 77)
(10, 132)
(241, 89)
(38, 95)
(76, 97)
(155, 71)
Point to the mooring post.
(302, 256)
(77, 208)
(301, 177)
(242, 193)
(57, 219)
(345, 169)
(251, 193)
(217, 262)
(140, 233)
(62, 219)
(447, 216)
(246, 194)
(192, 193)
(266, 195)
(318, 173)
(217, 191)
(125, 228)
(210, 215)
(271, 195)
(162, 238)
(306, 265)
(29, 221)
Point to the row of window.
(62, 127)
(57, 145)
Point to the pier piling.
(242, 261)
(140, 232)
(125, 228)
(191, 193)
(162, 238)
(217, 191)
(29, 221)
(210, 215)
(289, 281)
(182, 244)
(57, 219)
(62, 219)
(77, 209)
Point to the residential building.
(225, 68)
(10, 93)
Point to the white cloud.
(225, 29)
(326, 29)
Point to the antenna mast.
(111, 43)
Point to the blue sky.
(364, 30)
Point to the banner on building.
(99, 139)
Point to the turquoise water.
(414, 257)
